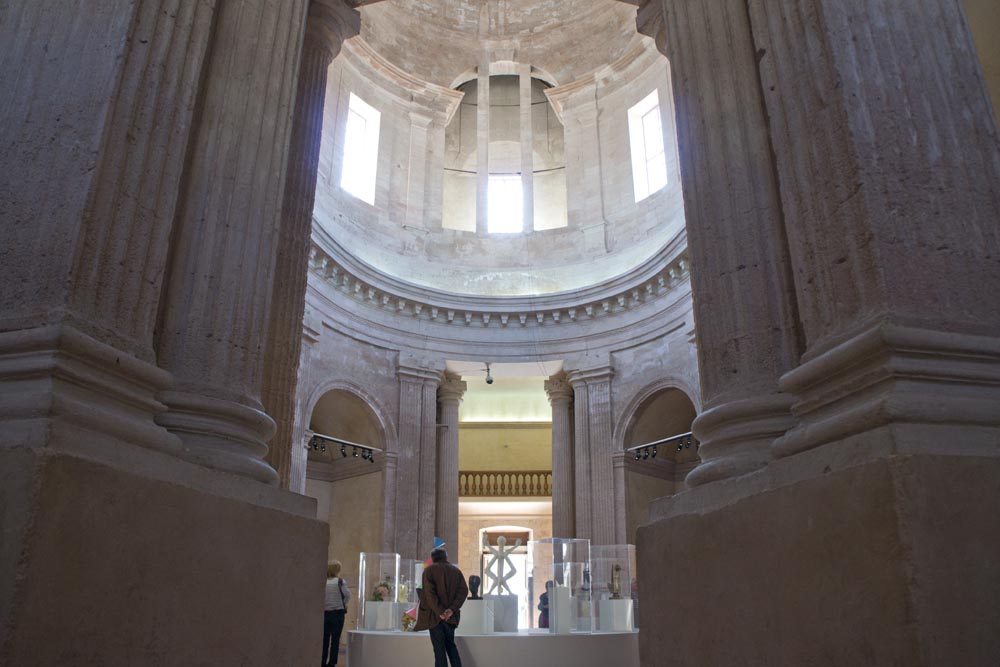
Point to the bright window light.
(506, 204)
(361, 150)
(649, 160)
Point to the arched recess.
(351, 492)
(659, 411)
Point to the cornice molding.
(655, 278)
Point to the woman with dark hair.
(334, 611)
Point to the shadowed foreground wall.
(117, 569)
(891, 562)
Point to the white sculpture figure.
(495, 567)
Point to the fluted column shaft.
(213, 322)
(284, 336)
(560, 395)
(743, 295)
(416, 472)
(594, 483)
(449, 398)
(99, 98)
(897, 260)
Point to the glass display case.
(561, 586)
(411, 574)
(378, 587)
(614, 589)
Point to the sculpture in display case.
(614, 591)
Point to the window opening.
(649, 160)
(506, 204)
(361, 150)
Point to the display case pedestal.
(382, 615)
(561, 616)
(477, 618)
(614, 615)
(504, 612)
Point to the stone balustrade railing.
(505, 483)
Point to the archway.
(348, 489)
(663, 413)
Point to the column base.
(219, 434)
(736, 437)
(104, 567)
(941, 389)
(61, 388)
(889, 562)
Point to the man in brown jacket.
(445, 592)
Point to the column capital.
(559, 389)
(452, 388)
(590, 375)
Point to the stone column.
(284, 336)
(483, 148)
(416, 473)
(97, 112)
(594, 484)
(449, 398)
(897, 259)
(741, 280)
(527, 146)
(216, 303)
(560, 395)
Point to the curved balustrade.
(505, 483)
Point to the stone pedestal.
(198, 567)
(892, 562)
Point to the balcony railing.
(504, 483)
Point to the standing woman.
(334, 611)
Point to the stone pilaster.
(897, 260)
(560, 394)
(449, 398)
(741, 279)
(416, 191)
(594, 481)
(527, 144)
(216, 304)
(389, 481)
(416, 472)
(483, 147)
(99, 98)
(284, 336)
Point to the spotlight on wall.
(319, 442)
(489, 378)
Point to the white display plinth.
(504, 612)
(524, 649)
(561, 617)
(382, 615)
(476, 618)
(614, 615)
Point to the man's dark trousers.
(443, 640)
